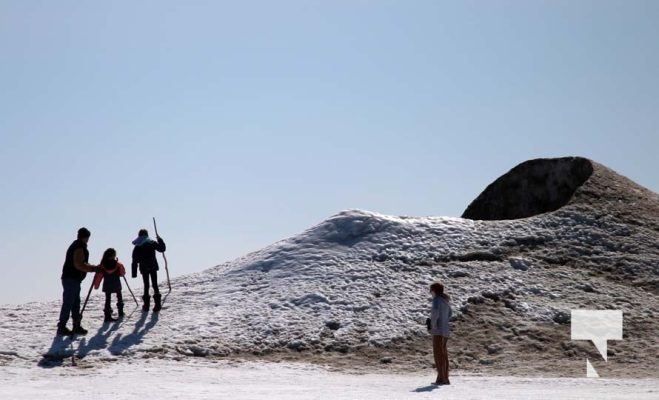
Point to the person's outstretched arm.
(79, 262)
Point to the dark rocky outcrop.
(531, 188)
(575, 184)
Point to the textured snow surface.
(163, 380)
(358, 279)
(355, 288)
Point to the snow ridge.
(359, 280)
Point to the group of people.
(110, 271)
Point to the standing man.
(144, 256)
(76, 266)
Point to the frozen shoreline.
(200, 379)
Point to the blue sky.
(238, 124)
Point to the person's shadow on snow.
(428, 388)
(60, 349)
(100, 340)
(122, 343)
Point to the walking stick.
(87, 298)
(131, 292)
(169, 285)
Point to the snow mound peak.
(349, 227)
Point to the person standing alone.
(76, 266)
(438, 326)
(144, 258)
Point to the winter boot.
(146, 299)
(156, 299)
(78, 329)
(120, 309)
(108, 315)
(62, 330)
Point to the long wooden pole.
(155, 228)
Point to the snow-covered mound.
(353, 290)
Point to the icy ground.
(358, 280)
(351, 294)
(198, 379)
(346, 283)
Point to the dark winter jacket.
(144, 254)
(69, 271)
(112, 271)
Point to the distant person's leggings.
(154, 282)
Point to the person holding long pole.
(164, 257)
(76, 266)
(144, 259)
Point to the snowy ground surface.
(163, 380)
(349, 282)
(359, 280)
(351, 293)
